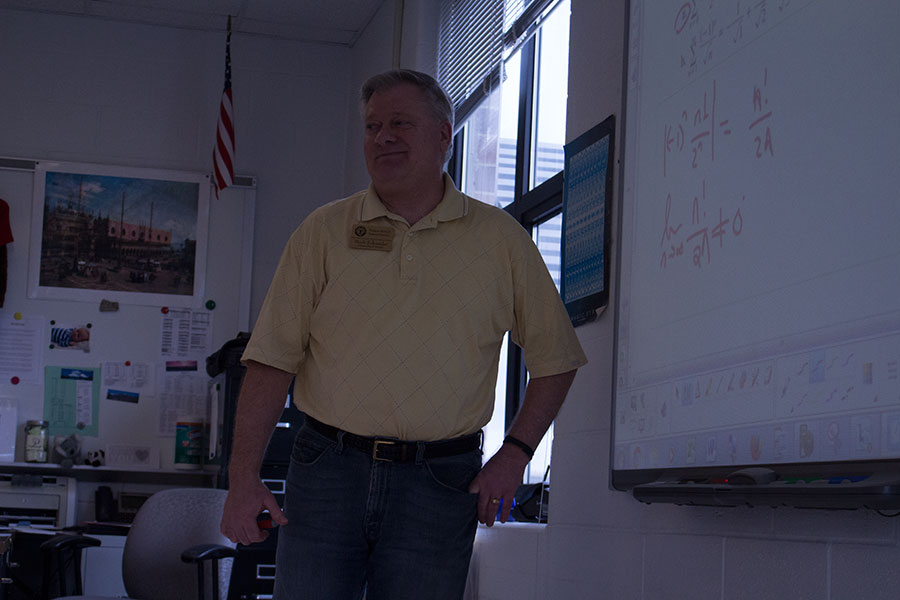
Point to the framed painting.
(129, 235)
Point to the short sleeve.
(281, 333)
(542, 328)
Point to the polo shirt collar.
(454, 205)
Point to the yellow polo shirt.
(395, 330)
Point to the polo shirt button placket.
(408, 262)
(409, 237)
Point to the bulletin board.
(115, 365)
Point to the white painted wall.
(371, 54)
(90, 90)
(374, 53)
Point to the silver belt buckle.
(379, 443)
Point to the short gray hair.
(437, 98)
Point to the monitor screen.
(758, 311)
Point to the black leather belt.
(392, 450)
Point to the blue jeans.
(398, 531)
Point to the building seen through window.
(510, 154)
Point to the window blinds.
(475, 37)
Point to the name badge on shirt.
(365, 236)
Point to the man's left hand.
(497, 483)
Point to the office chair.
(173, 531)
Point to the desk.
(101, 566)
(23, 562)
(5, 546)
(67, 497)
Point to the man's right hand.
(245, 501)
(260, 403)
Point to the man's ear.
(446, 135)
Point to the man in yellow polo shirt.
(390, 307)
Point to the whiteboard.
(133, 333)
(759, 303)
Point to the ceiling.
(324, 21)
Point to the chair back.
(169, 522)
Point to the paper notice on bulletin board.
(182, 392)
(127, 381)
(21, 352)
(8, 426)
(185, 334)
(72, 400)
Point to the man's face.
(404, 143)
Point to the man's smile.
(390, 153)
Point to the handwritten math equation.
(707, 35)
(690, 146)
(697, 239)
(690, 141)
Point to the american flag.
(223, 153)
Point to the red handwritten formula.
(720, 116)
(695, 239)
(760, 126)
(690, 140)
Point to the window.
(550, 87)
(508, 151)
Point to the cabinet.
(253, 570)
(101, 567)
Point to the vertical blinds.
(475, 36)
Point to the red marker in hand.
(264, 521)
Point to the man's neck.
(413, 202)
